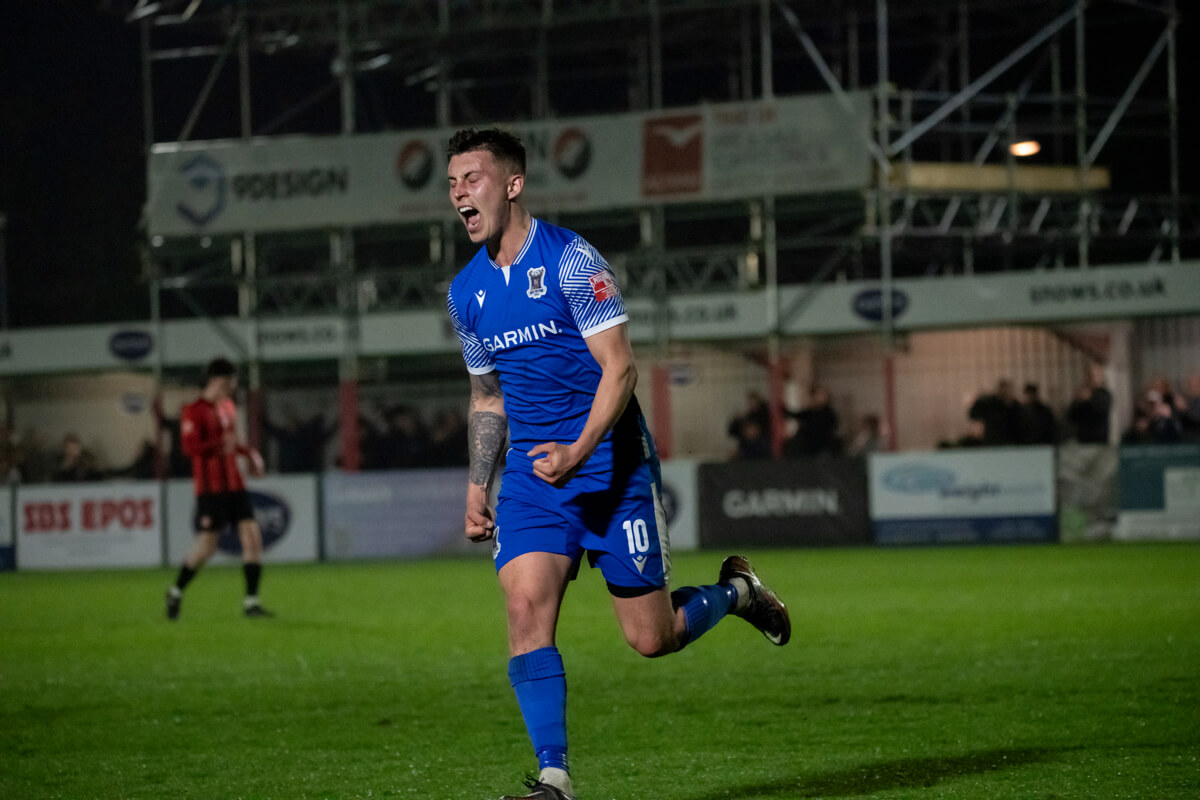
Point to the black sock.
(186, 574)
(252, 572)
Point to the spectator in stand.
(869, 438)
(300, 443)
(1154, 422)
(818, 426)
(1000, 414)
(448, 442)
(753, 444)
(1090, 411)
(370, 449)
(405, 442)
(178, 464)
(750, 428)
(972, 438)
(1162, 385)
(142, 468)
(12, 457)
(1187, 406)
(75, 462)
(1038, 423)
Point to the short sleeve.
(478, 360)
(591, 289)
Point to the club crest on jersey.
(604, 285)
(537, 282)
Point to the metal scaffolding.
(956, 84)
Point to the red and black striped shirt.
(209, 436)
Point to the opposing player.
(209, 438)
(543, 330)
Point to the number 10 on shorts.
(638, 536)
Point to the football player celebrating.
(544, 336)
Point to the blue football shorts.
(619, 523)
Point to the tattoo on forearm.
(487, 385)
(488, 431)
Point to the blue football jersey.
(529, 321)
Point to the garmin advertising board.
(799, 502)
(967, 496)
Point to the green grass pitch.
(978, 673)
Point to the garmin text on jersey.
(530, 333)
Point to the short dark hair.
(219, 368)
(505, 147)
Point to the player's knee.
(525, 612)
(205, 546)
(653, 643)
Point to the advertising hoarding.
(88, 525)
(795, 502)
(8, 556)
(1158, 492)
(719, 151)
(395, 513)
(967, 496)
(285, 507)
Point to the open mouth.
(470, 217)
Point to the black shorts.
(218, 510)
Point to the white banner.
(731, 315)
(681, 503)
(969, 496)
(410, 332)
(88, 525)
(971, 482)
(6, 531)
(285, 507)
(1114, 292)
(1024, 296)
(395, 514)
(7, 556)
(793, 145)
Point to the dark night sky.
(71, 160)
(71, 169)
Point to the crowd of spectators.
(996, 418)
(1162, 414)
(405, 441)
(1000, 418)
(816, 429)
(1165, 416)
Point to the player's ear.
(515, 184)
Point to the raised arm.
(487, 430)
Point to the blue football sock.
(704, 606)
(540, 682)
